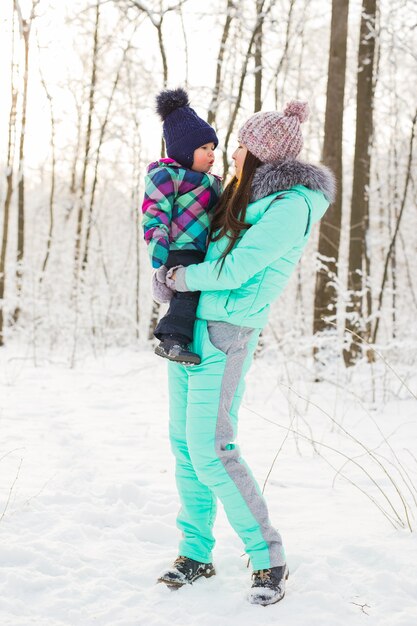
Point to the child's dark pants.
(178, 322)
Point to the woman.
(259, 229)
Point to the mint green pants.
(204, 403)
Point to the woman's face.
(238, 157)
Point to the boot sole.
(176, 359)
(172, 584)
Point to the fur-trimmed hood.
(282, 175)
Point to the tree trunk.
(211, 119)
(391, 247)
(80, 216)
(240, 92)
(24, 26)
(9, 185)
(77, 143)
(53, 182)
(97, 159)
(258, 56)
(284, 55)
(325, 298)
(359, 262)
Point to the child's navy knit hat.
(183, 130)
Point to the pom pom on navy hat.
(170, 100)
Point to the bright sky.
(58, 61)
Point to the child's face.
(203, 158)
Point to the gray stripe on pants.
(233, 341)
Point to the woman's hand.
(171, 276)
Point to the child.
(180, 194)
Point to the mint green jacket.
(259, 266)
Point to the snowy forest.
(79, 127)
(335, 368)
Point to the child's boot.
(175, 350)
(185, 571)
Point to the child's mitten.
(161, 293)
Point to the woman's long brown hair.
(229, 215)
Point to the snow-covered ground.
(88, 500)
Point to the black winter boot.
(185, 571)
(175, 350)
(268, 585)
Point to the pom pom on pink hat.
(273, 136)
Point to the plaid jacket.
(176, 209)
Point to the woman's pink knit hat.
(275, 136)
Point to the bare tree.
(211, 119)
(53, 177)
(285, 51)
(87, 148)
(77, 147)
(260, 16)
(325, 298)
(258, 55)
(397, 227)
(157, 19)
(135, 195)
(11, 138)
(359, 306)
(25, 26)
(102, 132)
